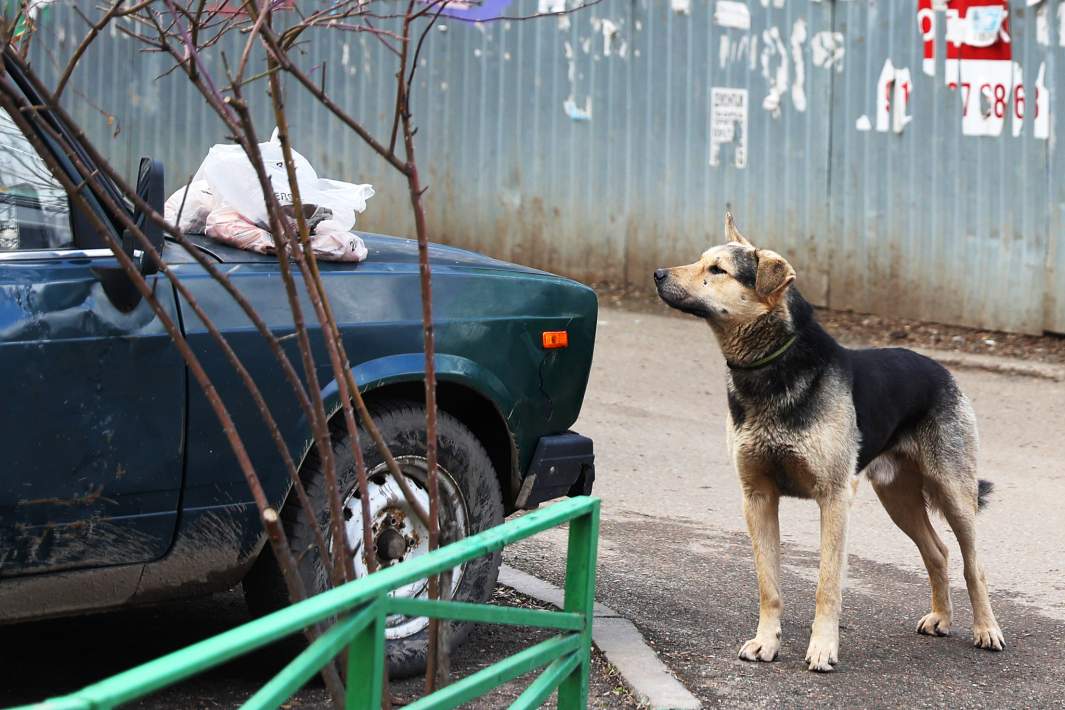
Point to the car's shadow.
(43, 659)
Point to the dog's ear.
(733, 234)
(773, 276)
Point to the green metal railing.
(358, 610)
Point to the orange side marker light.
(554, 339)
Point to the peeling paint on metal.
(1042, 26)
(728, 13)
(777, 80)
(798, 92)
(610, 31)
(1042, 104)
(826, 49)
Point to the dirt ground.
(48, 658)
(880, 331)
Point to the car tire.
(471, 500)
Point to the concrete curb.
(988, 363)
(621, 643)
(995, 363)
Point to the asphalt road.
(676, 560)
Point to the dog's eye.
(715, 270)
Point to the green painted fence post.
(366, 664)
(580, 598)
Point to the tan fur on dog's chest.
(804, 461)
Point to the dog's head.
(730, 284)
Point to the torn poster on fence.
(926, 24)
(979, 62)
(728, 124)
(893, 90)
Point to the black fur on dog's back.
(894, 390)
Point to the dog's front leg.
(763, 523)
(823, 652)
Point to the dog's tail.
(983, 490)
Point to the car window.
(34, 209)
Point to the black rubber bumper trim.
(562, 465)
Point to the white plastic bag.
(344, 199)
(238, 215)
(232, 178)
(199, 203)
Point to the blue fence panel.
(611, 141)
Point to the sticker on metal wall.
(728, 124)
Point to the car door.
(92, 395)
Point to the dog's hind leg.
(958, 504)
(761, 509)
(900, 492)
(948, 453)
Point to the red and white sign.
(979, 62)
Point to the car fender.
(410, 367)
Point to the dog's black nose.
(660, 274)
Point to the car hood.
(382, 250)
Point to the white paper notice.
(728, 124)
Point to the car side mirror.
(150, 189)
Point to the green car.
(119, 486)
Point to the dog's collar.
(771, 357)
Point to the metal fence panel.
(585, 144)
(929, 222)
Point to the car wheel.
(470, 501)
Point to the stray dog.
(808, 416)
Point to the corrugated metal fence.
(609, 142)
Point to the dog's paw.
(760, 649)
(989, 637)
(823, 653)
(934, 624)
